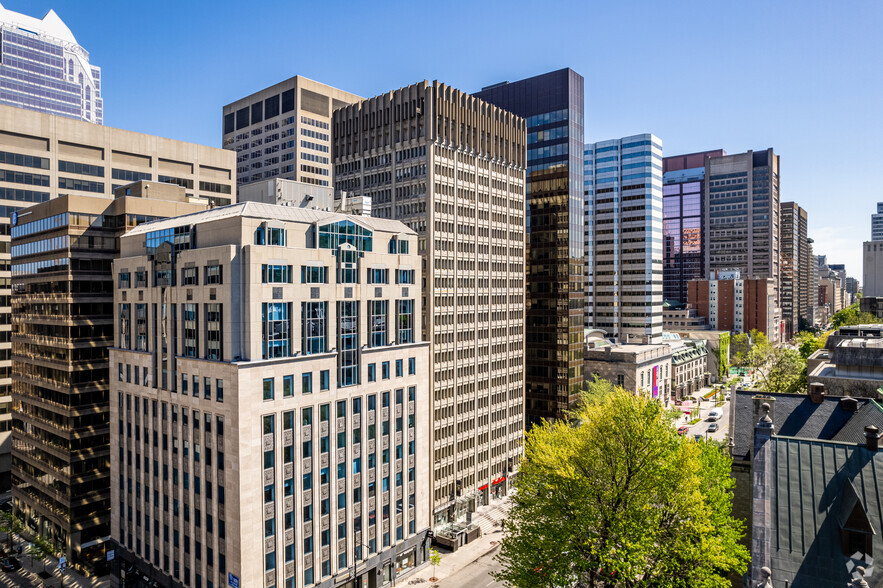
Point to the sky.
(803, 77)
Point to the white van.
(715, 414)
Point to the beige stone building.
(452, 167)
(280, 360)
(284, 131)
(645, 368)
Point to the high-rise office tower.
(276, 353)
(683, 237)
(451, 167)
(62, 320)
(877, 223)
(812, 299)
(43, 68)
(624, 254)
(742, 208)
(284, 131)
(795, 280)
(872, 275)
(553, 105)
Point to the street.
(701, 427)
(475, 575)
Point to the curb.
(477, 557)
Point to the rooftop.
(272, 211)
(50, 25)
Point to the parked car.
(10, 564)
(715, 414)
(683, 430)
(713, 427)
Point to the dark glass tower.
(552, 103)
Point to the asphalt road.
(476, 574)
(701, 427)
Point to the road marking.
(491, 582)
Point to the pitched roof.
(794, 415)
(854, 430)
(272, 211)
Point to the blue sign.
(62, 563)
(14, 218)
(232, 580)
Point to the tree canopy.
(743, 344)
(615, 498)
(851, 315)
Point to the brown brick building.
(731, 303)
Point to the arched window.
(88, 93)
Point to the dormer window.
(856, 532)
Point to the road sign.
(232, 580)
(110, 554)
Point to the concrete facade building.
(284, 131)
(43, 68)
(62, 322)
(732, 303)
(452, 168)
(553, 106)
(851, 364)
(872, 268)
(44, 157)
(742, 210)
(683, 229)
(877, 223)
(690, 363)
(796, 277)
(624, 244)
(277, 352)
(641, 367)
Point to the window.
(307, 383)
(189, 276)
(213, 274)
(219, 390)
(372, 372)
(397, 245)
(378, 310)
(333, 235)
(287, 386)
(385, 370)
(213, 332)
(141, 327)
(378, 275)
(314, 327)
(324, 377)
(125, 279)
(348, 343)
(191, 337)
(399, 368)
(405, 311)
(347, 266)
(275, 274)
(412, 366)
(125, 325)
(268, 389)
(276, 329)
(404, 276)
(313, 274)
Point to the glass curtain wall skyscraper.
(623, 216)
(552, 103)
(683, 222)
(43, 68)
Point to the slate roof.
(815, 485)
(854, 431)
(794, 415)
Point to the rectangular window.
(399, 368)
(307, 383)
(314, 327)
(189, 276)
(125, 326)
(385, 370)
(214, 274)
(379, 310)
(287, 386)
(412, 366)
(404, 276)
(372, 372)
(185, 382)
(219, 390)
(268, 389)
(196, 386)
(405, 312)
(313, 274)
(191, 332)
(125, 279)
(207, 394)
(378, 275)
(347, 266)
(214, 335)
(275, 274)
(348, 343)
(276, 329)
(324, 380)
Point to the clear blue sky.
(803, 77)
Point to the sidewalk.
(487, 517)
(29, 574)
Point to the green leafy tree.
(808, 343)
(597, 390)
(779, 369)
(12, 525)
(40, 548)
(434, 561)
(851, 315)
(620, 500)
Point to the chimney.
(872, 438)
(817, 392)
(848, 404)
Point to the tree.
(11, 525)
(434, 561)
(779, 370)
(597, 390)
(808, 343)
(620, 500)
(40, 548)
(851, 315)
